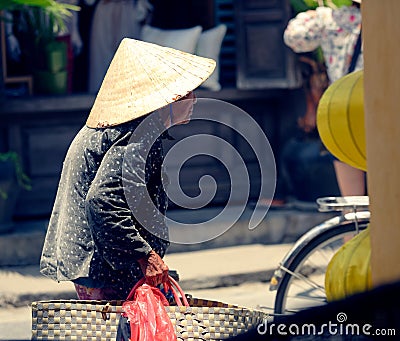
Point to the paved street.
(234, 268)
(15, 323)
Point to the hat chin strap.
(171, 114)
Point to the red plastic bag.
(148, 318)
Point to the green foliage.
(38, 23)
(23, 180)
(43, 18)
(52, 6)
(305, 5)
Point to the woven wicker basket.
(98, 320)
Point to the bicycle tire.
(323, 239)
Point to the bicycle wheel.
(302, 285)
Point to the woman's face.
(178, 112)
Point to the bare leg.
(85, 293)
(351, 180)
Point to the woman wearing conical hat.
(106, 229)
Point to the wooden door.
(263, 60)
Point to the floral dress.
(336, 31)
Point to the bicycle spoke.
(304, 279)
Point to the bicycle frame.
(325, 205)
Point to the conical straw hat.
(144, 77)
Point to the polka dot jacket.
(109, 207)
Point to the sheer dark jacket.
(110, 177)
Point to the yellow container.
(340, 120)
(349, 271)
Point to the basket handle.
(175, 289)
(137, 285)
(171, 284)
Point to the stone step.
(23, 245)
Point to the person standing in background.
(337, 32)
(113, 20)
